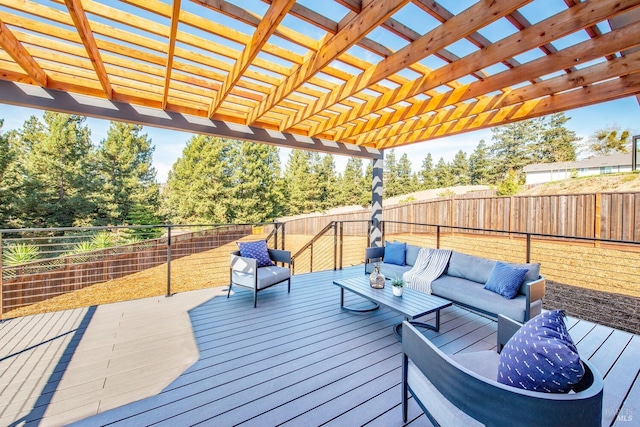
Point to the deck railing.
(126, 262)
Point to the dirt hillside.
(614, 183)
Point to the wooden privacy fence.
(614, 216)
(43, 279)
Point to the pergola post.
(376, 201)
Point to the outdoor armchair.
(246, 273)
(462, 389)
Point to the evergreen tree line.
(51, 175)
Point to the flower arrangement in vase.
(397, 286)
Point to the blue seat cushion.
(541, 356)
(256, 250)
(505, 280)
(394, 253)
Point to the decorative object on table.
(376, 278)
(397, 286)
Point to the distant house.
(545, 172)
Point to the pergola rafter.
(361, 75)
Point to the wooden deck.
(297, 359)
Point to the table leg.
(356, 310)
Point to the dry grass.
(604, 269)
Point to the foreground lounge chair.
(462, 389)
(246, 273)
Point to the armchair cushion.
(541, 356)
(267, 276)
(505, 280)
(257, 250)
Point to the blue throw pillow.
(541, 356)
(505, 280)
(394, 253)
(256, 250)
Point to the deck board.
(298, 359)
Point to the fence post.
(528, 248)
(169, 261)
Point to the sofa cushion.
(473, 294)
(470, 267)
(541, 356)
(394, 253)
(505, 280)
(256, 250)
(390, 271)
(412, 255)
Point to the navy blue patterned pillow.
(541, 356)
(394, 253)
(256, 250)
(505, 280)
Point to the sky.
(624, 113)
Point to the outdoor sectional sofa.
(463, 283)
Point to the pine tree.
(351, 183)
(443, 174)
(11, 177)
(480, 165)
(129, 192)
(427, 175)
(460, 168)
(366, 185)
(199, 186)
(256, 195)
(392, 184)
(325, 169)
(60, 171)
(405, 181)
(302, 183)
(555, 143)
(511, 147)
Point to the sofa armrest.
(535, 290)
(279, 255)
(243, 264)
(507, 327)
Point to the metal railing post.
(528, 248)
(169, 261)
(341, 243)
(335, 245)
(275, 224)
(283, 234)
(437, 237)
(311, 259)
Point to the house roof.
(620, 159)
(342, 73)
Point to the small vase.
(397, 290)
(376, 279)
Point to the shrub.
(20, 253)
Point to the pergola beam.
(580, 16)
(268, 25)
(369, 18)
(86, 35)
(56, 100)
(413, 116)
(173, 31)
(17, 51)
(584, 96)
(460, 26)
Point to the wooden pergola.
(344, 76)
